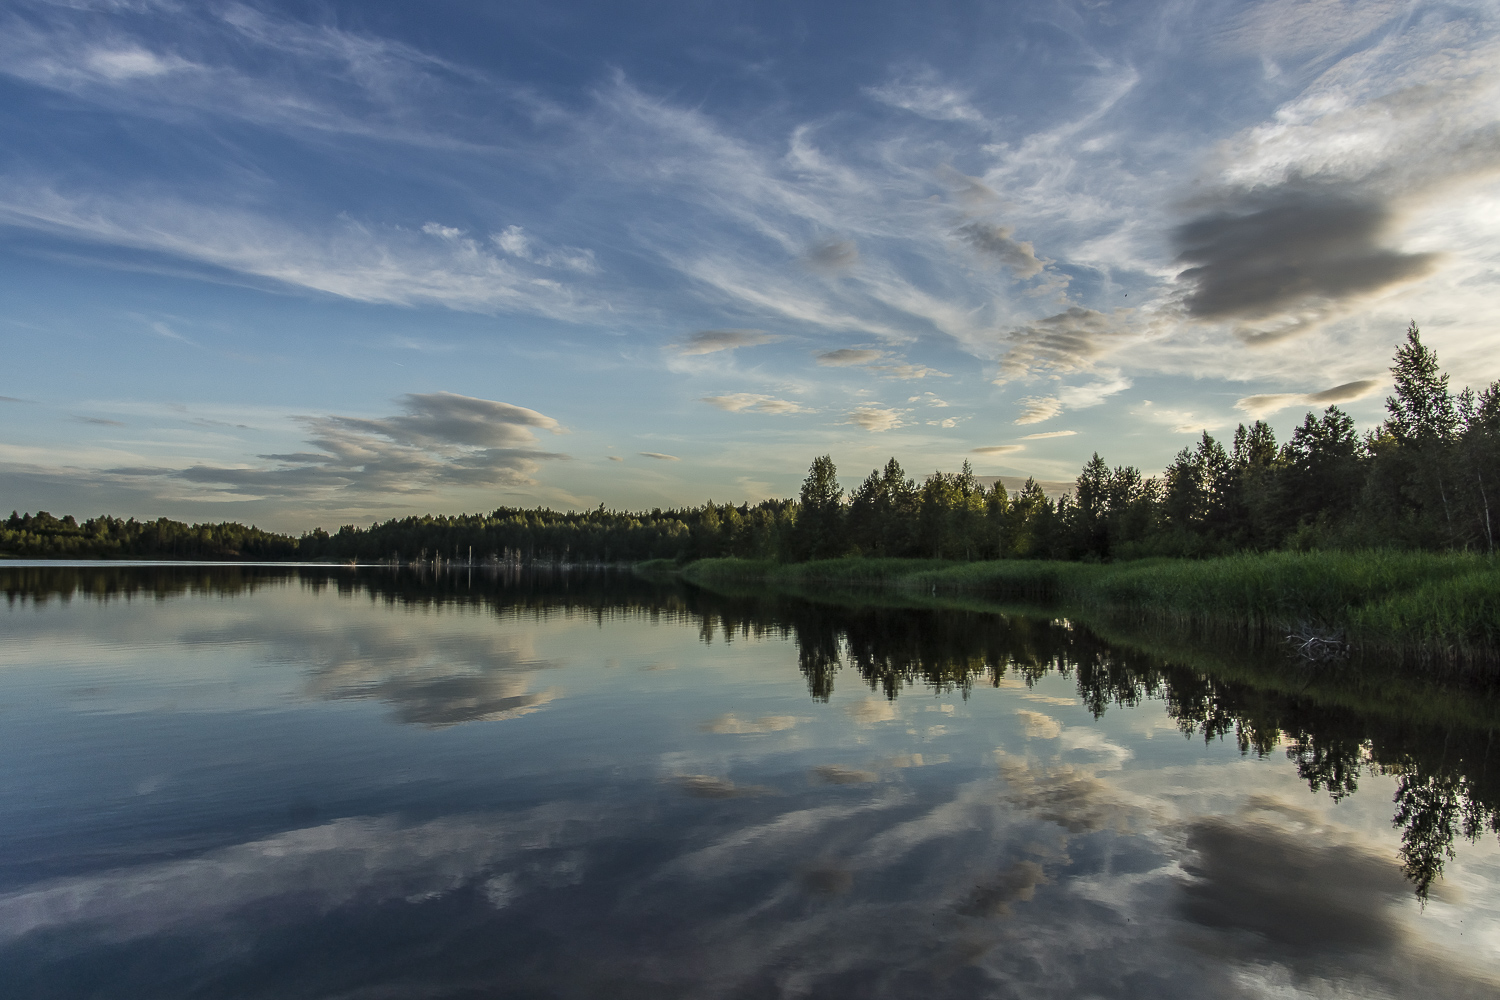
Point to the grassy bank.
(1439, 609)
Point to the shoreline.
(1436, 611)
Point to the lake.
(260, 781)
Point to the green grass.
(1437, 608)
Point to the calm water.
(255, 782)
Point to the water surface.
(327, 782)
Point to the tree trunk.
(1489, 533)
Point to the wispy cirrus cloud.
(381, 264)
(235, 61)
(516, 242)
(926, 95)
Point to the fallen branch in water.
(1318, 644)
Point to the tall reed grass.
(1436, 608)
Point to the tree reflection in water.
(1336, 725)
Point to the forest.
(1424, 479)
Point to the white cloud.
(733, 724)
(1035, 409)
(1047, 434)
(124, 63)
(659, 456)
(877, 418)
(1079, 397)
(1180, 421)
(999, 449)
(324, 867)
(749, 402)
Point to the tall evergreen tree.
(820, 517)
(1424, 422)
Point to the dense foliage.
(41, 535)
(1426, 478)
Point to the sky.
(312, 264)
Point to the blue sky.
(306, 264)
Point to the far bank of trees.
(44, 536)
(1428, 477)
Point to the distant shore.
(1437, 610)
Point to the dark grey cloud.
(1273, 884)
(995, 242)
(833, 256)
(440, 439)
(1344, 393)
(1290, 254)
(102, 422)
(846, 357)
(446, 418)
(710, 341)
(13, 399)
(1323, 896)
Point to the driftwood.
(1317, 643)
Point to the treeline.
(1426, 478)
(43, 536)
